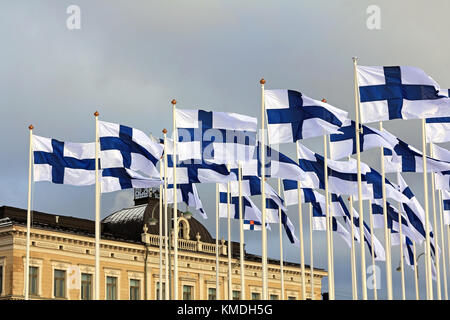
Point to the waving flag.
(342, 231)
(446, 206)
(216, 137)
(308, 195)
(292, 116)
(344, 144)
(188, 194)
(399, 92)
(63, 162)
(128, 158)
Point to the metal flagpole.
(175, 204)
(436, 235)
(353, 253)
(427, 223)
(311, 249)
(166, 222)
(217, 242)
(400, 231)
(302, 252)
(27, 259)
(161, 190)
(416, 271)
(358, 158)
(263, 197)
(444, 263)
(230, 274)
(330, 217)
(241, 232)
(97, 210)
(387, 233)
(375, 294)
(327, 218)
(281, 245)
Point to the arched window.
(183, 228)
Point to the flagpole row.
(175, 204)
(280, 231)
(360, 203)
(427, 223)
(27, 255)
(436, 235)
(166, 222)
(97, 210)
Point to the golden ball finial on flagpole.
(164, 131)
(262, 81)
(96, 113)
(30, 127)
(324, 100)
(174, 101)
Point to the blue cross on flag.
(399, 92)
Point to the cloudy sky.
(129, 61)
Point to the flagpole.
(161, 168)
(444, 263)
(358, 158)
(280, 231)
(375, 294)
(402, 264)
(97, 210)
(217, 242)
(175, 204)
(331, 214)
(230, 274)
(166, 222)
(387, 233)
(436, 236)
(416, 271)
(241, 232)
(427, 223)
(302, 253)
(353, 254)
(311, 249)
(27, 259)
(327, 218)
(263, 197)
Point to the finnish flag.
(63, 162)
(342, 231)
(344, 144)
(292, 116)
(217, 137)
(438, 129)
(273, 216)
(128, 158)
(188, 194)
(442, 178)
(249, 211)
(446, 206)
(399, 92)
(307, 195)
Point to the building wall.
(57, 250)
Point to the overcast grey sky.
(129, 59)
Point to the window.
(211, 293)
(291, 298)
(135, 289)
(33, 281)
(86, 286)
(256, 296)
(1, 280)
(163, 293)
(273, 297)
(111, 288)
(180, 230)
(187, 292)
(59, 283)
(236, 295)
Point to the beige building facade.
(62, 259)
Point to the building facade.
(62, 259)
